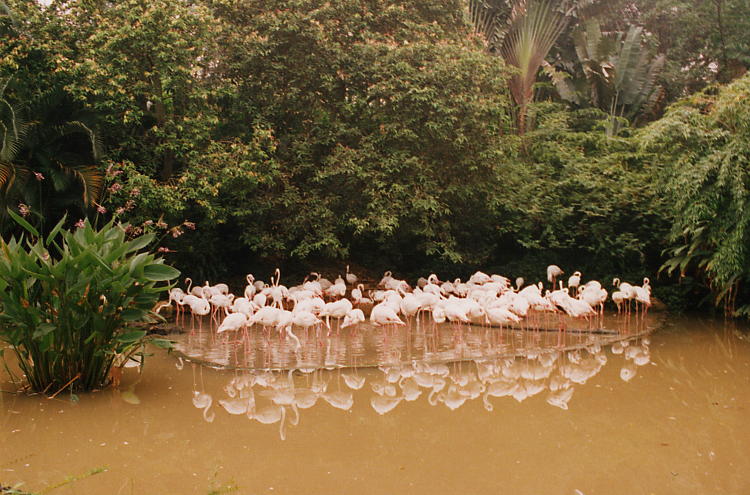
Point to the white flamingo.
(351, 278)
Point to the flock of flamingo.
(484, 299)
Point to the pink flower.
(39, 176)
(189, 225)
(111, 172)
(161, 224)
(148, 222)
(115, 187)
(24, 209)
(135, 192)
(101, 210)
(132, 230)
(80, 224)
(164, 249)
(129, 204)
(176, 232)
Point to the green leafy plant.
(530, 29)
(702, 143)
(613, 71)
(69, 302)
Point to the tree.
(704, 41)
(613, 72)
(702, 146)
(48, 159)
(522, 39)
(144, 67)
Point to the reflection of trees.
(277, 397)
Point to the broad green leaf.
(139, 243)
(23, 223)
(133, 314)
(163, 343)
(43, 330)
(159, 273)
(55, 230)
(130, 337)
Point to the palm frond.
(78, 126)
(562, 82)
(534, 26)
(6, 173)
(91, 179)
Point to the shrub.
(703, 145)
(69, 300)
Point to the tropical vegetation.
(508, 134)
(70, 299)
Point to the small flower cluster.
(122, 197)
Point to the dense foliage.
(703, 144)
(385, 133)
(67, 300)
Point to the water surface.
(524, 413)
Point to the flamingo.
(250, 289)
(575, 280)
(627, 289)
(358, 296)
(432, 286)
(232, 322)
(384, 314)
(553, 271)
(196, 291)
(284, 323)
(351, 278)
(593, 296)
(387, 277)
(198, 306)
(337, 290)
(242, 305)
(353, 317)
(337, 309)
(176, 295)
(323, 283)
(619, 297)
(479, 278)
(220, 301)
(500, 316)
(643, 294)
(409, 305)
(267, 316)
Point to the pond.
(612, 408)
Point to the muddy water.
(593, 413)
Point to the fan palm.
(12, 134)
(522, 32)
(49, 163)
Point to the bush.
(703, 147)
(68, 301)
